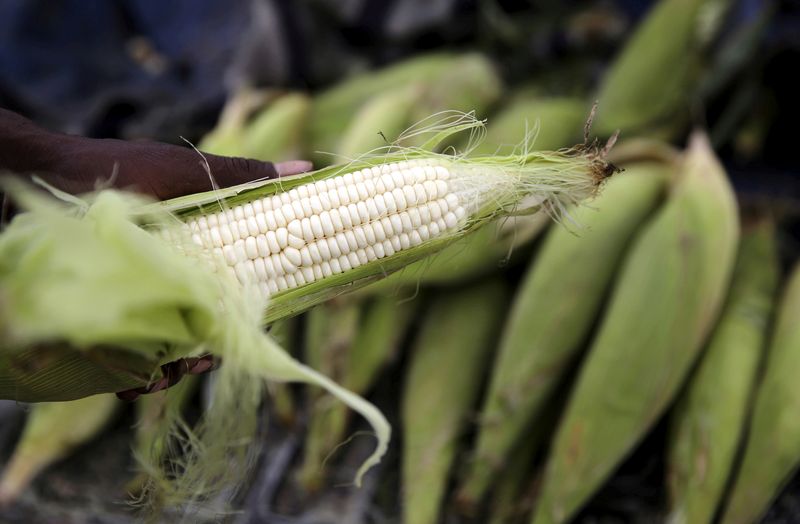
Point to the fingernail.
(293, 167)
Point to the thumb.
(229, 171)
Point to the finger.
(293, 167)
(230, 171)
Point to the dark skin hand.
(78, 164)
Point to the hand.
(78, 164)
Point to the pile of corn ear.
(543, 316)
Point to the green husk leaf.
(52, 432)
(772, 453)
(649, 86)
(459, 334)
(554, 309)
(672, 283)
(706, 432)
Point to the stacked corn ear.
(557, 122)
(52, 432)
(379, 121)
(513, 494)
(278, 132)
(330, 331)
(706, 432)
(649, 87)
(333, 109)
(395, 98)
(228, 135)
(552, 313)
(281, 396)
(772, 452)
(667, 297)
(264, 126)
(553, 122)
(447, 367)
(381, 325)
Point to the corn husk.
(553, 124)
(706, 432)
(457, 338)
(649, 86)
(53, 431)
(553, 312)
(772, 452)
(672, 283)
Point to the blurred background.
(317, 78)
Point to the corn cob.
(772, 452)
(564, 286)
(559, 124)
(649, 85)
(706, 431)
(458, 334)
(672, 283)
(52, 432)
(323, 224)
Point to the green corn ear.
(559, 122)
(333, 110)
(228, 135)
(650, 84)
(666, 299)
(379, 121)
(331, 329)
(383, 322)
(455, 342)
(52, 432)
(470, 83)
(283, 402)
(553, 311)
(706, 430)
(772, 453)
(277, 132)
